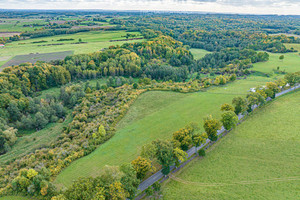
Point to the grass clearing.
(258, 159)
(198, 53)
(290, 63)
(93, 41)
(140, 126)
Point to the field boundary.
(159, 176)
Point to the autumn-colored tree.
(211, 127)
(227, 107)
(141, 166)
(117, 192)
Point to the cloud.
(221, 6)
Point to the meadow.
(290, 63)
(90, 42)
(155, 114)
(198, 53)
(258, 159)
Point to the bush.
(201, 152)
(166, 170)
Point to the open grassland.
(91, 42)
(198, 53)
(32, 141)
(290, 63)
(258, 160)
(154, 115)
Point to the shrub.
(201, 152)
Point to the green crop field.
(259, 159)
(92, 41)
(155, 115)
(198, 53)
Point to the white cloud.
(221, 6)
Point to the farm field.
(258, 159)
(33, 58)
(91, 42)
(155, 115)
(198, 53)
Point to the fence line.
(159, 175)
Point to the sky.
(281, 7)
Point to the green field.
(93, 41)
(260, 159)
(290, 63)
(154, 115)
(198, 53)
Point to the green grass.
(16, 198)
(96, 40)
(154, 115)
(198, 53)
(255, 161)
(290, 63)
(29, 143)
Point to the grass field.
(198, 53)
(92, 41)
(258, 160)
(290, 63)
(154, 115)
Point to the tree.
(98, 86)
(179, 156)
(135, 85)
(82, 188)
(14, 111)
(117, 192)
(129, 180)
(273, 87)
(227, 107)
(211, 127)
(198, 139)
(254, 98)
(240, 105)
(281, 57)
(292, 78)
(229, 120)
(40, 120)
(164, 154)
(141, 166)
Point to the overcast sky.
(284, 7)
